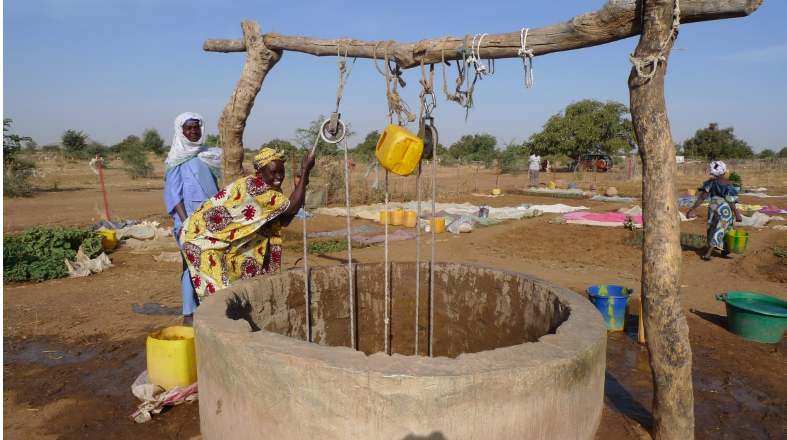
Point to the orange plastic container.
(399, 150)
(397, 217)
(410, 219)
(386, 217)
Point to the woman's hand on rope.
(306, 166)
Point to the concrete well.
(513, 357)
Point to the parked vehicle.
(602, 162)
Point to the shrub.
(39, 253)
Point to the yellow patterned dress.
(235, 235)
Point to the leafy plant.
(629, 223)
(736, 178)
(779, 252)
(39, 253)
(327, 246)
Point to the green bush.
(39, 253)
(736, 178)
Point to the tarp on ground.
(372, 212)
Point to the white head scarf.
(183, 149)
(717, 168)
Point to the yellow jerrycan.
(399, 151)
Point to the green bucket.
(757, 317)
(735, 241)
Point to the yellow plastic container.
(438, 224)
(386, 217)
(171, 357)
(108, 238)
(399, 150)
(410, 219)
(397, 217)
(496, 191)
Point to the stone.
(611, 192)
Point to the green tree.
(475, 148)
(366, 150)
(766, 154)
(715, 143)
(75, 143)
(587, 126)
(16, 170)
(152, 141)
(783, 153)
(134, 155)
(212, 140)
(31, 146)
(305, 138)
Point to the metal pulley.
(428, 134)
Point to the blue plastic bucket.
(613, 303)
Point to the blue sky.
(112, 69)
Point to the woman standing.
(721, 207)
(236, 234)
(192, 170)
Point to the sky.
(111, 69)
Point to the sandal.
(705, 257)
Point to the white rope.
(475, 58)
(306, 295)
(387, 287)
(654, 60)
(417, 257)
(527, 57)
(349, 245)
(431, 266)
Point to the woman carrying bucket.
(721, 207)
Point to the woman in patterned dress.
(721, 207)
(236, 234)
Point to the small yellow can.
(171, 357)
(108, 238)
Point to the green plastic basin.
(755, 316)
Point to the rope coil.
(527, 57)
(641, 63)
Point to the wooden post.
(641, 329)
(103, 189)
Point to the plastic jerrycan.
(399, 150)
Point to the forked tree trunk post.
(666, 329)
(665, 323)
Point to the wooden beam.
(616, 20)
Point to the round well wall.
(513, 356)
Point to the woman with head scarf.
(721, 207)
(236, 234)
(190, 180)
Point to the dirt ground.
(73, 347)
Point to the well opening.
(474, 310)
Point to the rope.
(527, 57)
(349, 245)
(395, 102)
(427, 90)
(450, 97)
(387, 287)
(344, 73)
(475, 58)
(417, 257)
(640, 64)
(431, 266)
(307, 292)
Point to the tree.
(766, 154)
(212, 140)
(152, 141)
(74, 142)
(16, 170)
(783, 153)
(366, 149)
(31, 146)
(134, 155)
(475, 148)
(714, 143)
(587, 126)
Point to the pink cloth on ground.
(610, 217)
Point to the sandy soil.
(73, 347)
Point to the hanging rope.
(344, 73)
(527, 57)
(475, 58)
(654, 60)
(451, 97)
(431, 265)
(395, 102)
(306, 284)
(349, 245)
(427, 90)
(387, 286)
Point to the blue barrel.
(613, 303)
